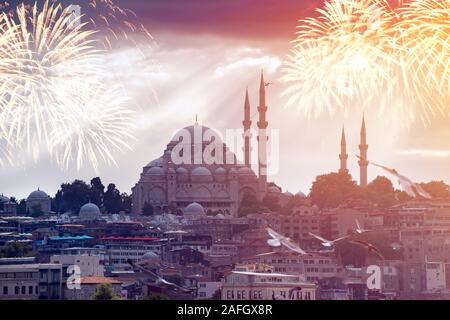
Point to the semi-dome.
(37, 195)
(4, 199)
(182, 174)
(156, 163)
(201, 174)
(191, 131)
(171, 171)
(300, 194)
(288, 194)
(89, 212)
(194, 210)
(246, 174)
(232, 173)
(155, 171)
(150, 258)
(245, 170)
(274, 189)
(220, 174)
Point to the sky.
(204, 56)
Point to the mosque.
(197, 188)
(200, 187)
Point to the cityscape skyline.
(228, 59)
(226, 150)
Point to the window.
(5, 290)
(24, 290)
(30, 290)
(16, 290)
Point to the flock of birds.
(278, 240)
(152, 267)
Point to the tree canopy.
(330, 190)
(72, 196)
(105, 291)
(437, 189)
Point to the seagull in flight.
(359, 229)
(370, 247)
(411, 188)
(268, 84)
(160, 282)
(279, 240)
(328, 243)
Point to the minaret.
(247, 134)
(262, 138)
(343, 156)
(363, 163)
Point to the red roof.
(98, 280)
(129, 238)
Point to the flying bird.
(370, 247)
(411, 188)
(328, 243)
(279, 240)
(359, 229)
(159, 281)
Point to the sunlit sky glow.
(207, 53)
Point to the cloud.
(426, 153)
(268, 63)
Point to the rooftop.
(129, 239)
(99, 280)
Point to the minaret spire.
(363, 163)
(247, 134)
(262, 138)
(343, 156)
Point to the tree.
(36, 211)
(74, 195)
(16, 250)
(22, 208)
(249, 204)
(272, 202)
(295, 201)
(97, 191)
(105, 291)
(381, 192)
(126, 202)
(330, 190)
(147, 209)
(112, 200)
(57, 202)
(156, 296)
(437, 189)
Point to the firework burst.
(114, 24)
(103, 125)
(50, 54)
(340, 57)
(424, 34)
(51, 78)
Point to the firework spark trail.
(52, 92)
(94, 131)
(112, 23)
(424, 33)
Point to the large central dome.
(197, 133)
(195, 169)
